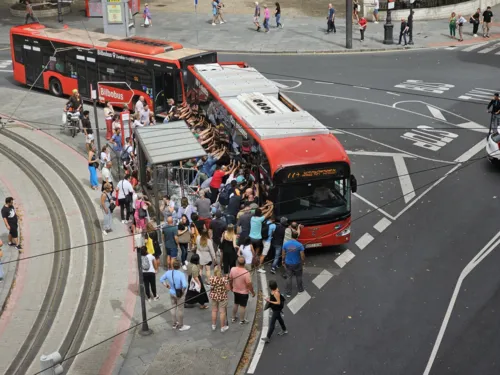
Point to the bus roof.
(157, 49)
(289, 135)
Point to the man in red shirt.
(362, 27)
(216, 182)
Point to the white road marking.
(436, 113)
(473, 126)
(404, 179)
(450, 48)
(392, 93)
(364, 241)
(465, 97)
(335, 131)
(473, 47)
(430, 87)
(361, 87)
(265, 326)
(471, 152)
(298, 302)
(376, 153)
(382, 224)
(486, 50)
(322, 279)
(374, 206)
(480, 256)
(286, 86)
(344, 258)
(6, 70)
(325, 83)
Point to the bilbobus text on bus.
(304, 170)
(122, 69)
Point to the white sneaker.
(475, 35)
(261, 270)
(157, 298)
(375, 21)
(184, 328)
(124, 221)
(184, 267)
(104, 232)
(186, 262)
(222, 22)
(214, 327)
(213, 23)
(224, 329)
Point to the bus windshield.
(315, 201)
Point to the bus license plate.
(313, 245)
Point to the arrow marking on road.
(436, 113)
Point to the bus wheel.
(55, 87)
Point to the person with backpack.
(268, 228)
(226, 192)
(275, 302)
(277, 242)
(149, 266)
(127, 154)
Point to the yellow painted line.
(4, 49)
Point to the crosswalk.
(492, 48)
(479, 94)
(5, 65)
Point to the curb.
(320, 52)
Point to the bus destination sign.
(311, 174)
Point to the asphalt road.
(383, 311)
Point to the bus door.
(164, 89)
(86, 69)
(33, 64)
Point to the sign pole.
(348, 24)
(94, 99)
(59, 11)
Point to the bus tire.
(55, 87)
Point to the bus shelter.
(160, 149)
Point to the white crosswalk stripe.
(479, 94)
(480, 48)
(474, 46)
(486, 50)
(5, 64)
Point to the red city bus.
(60, 60)
(304, 169)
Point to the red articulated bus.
(61, 60)
(303, 168)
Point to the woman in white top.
(149, 266)
(108, 117)
(205, 250)
(105, 155)
(137, 121)
(247, 251)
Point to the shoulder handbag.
(178, 292)
(142, 212)
(128, 197)
(194, 286)
(112, 204)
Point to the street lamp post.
(388, 26)
(59, 11)
(348, 24)
(410, 22)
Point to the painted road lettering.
(430, 87)
(429, 138)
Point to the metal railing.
(178, 182)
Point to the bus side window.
(71, 67)
(18, 53)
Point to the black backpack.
(224, 194)
(265, 230)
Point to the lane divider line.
(298, 302)
(344, 258)
(364, 241)
(322, 279)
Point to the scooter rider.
(494, 109)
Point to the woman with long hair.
(205, 249)
(93, 165)
(153, 234)
(149, 269)
(185, 209)
(218, 294)
(184, 238)
(140, 214)
(228, 249)
(196, 290)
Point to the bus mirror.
(354, 184)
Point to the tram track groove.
(95, 259)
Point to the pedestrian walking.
(277, 15)
(487, 18)
(220, 5)
(148, 20)
(205, 248)
(29, 13)
(475, 19)
(93, 164)
(140, 214)
(376, 6)
(267, 237)
(267, 15)
(494, 109)
(149, 266)
(229, 249)
(355, 11)
(453, 25)
(10, 220)
(404, 31)
(214, 12)
(125, 194)
(256, 16)
(184, 238)
(171, 241)
(256, 225)
(219, 287)
(196, 293)
(175, 281)
(293, 260)
(241, 286)
(87, 130)
(107, 206)
(109, 112)
(275, 302)
(277, 242)
(362, 27)
(330, 20)
(461, 22)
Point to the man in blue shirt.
(116, 141)
(331, 20)
(176, 281)
(171, 241)
(293, 261)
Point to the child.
(276, 303)
(148, 21)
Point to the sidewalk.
(299, 35)
(198, 351)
